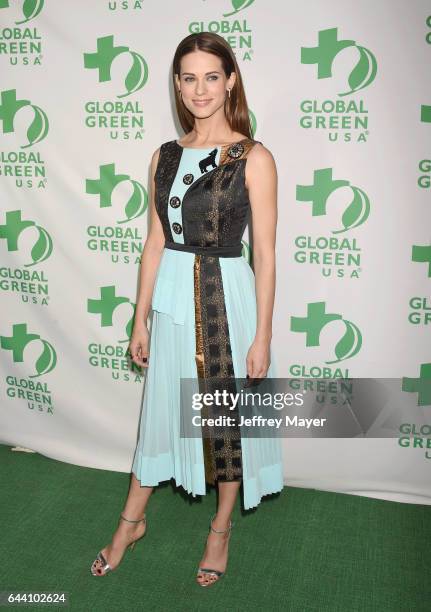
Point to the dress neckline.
(228, 144)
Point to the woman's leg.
(216, 550)
(126, 532)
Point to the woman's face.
(203, 83)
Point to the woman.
(212, 315)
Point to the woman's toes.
(97, 566)
(206, 578)
(201, 578)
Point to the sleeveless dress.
(204, 321)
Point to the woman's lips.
(201, 102)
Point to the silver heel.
(208, 570)
(106, 568)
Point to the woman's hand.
(258, 358)
(138, 346)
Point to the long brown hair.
(236, 109)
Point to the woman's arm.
(150, 260)
(261, 182)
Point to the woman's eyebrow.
(211, 72)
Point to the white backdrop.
(340, 94)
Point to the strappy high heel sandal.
(208, 570)
(102, 571)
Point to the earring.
(229, 92)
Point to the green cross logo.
(9, 106)
(30, 9)
(238, 5)
(105, 307)
(316, 319)
(15, 226)
(103, 58)
(421, 385)
(323, 186)
(326, 51)
(105, 185)
(20, 339)
(422, 254)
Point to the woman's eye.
(213, 76)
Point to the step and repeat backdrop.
(340, 93)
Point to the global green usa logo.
(237, 32)
(22, 46)
(327, 49)
(105, 185)
(102, 60)
(114, 312)
(319, 192)
(17, 229)
(118, 191)
(337, 255)
(123, 118)
(341, 119)
(10, 105)
(106, 305)
(317, 320)
(30, 9)
(43, 357)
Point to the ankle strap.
(130, 521)
(220, 530)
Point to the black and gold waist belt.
(215, 251)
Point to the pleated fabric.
(161, 454)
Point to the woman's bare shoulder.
(260, 154)
(156, 153)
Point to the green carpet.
(301, 550)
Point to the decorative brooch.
(188, 179)
(235, 150)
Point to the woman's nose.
(200, 88)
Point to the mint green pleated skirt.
(161, 453)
